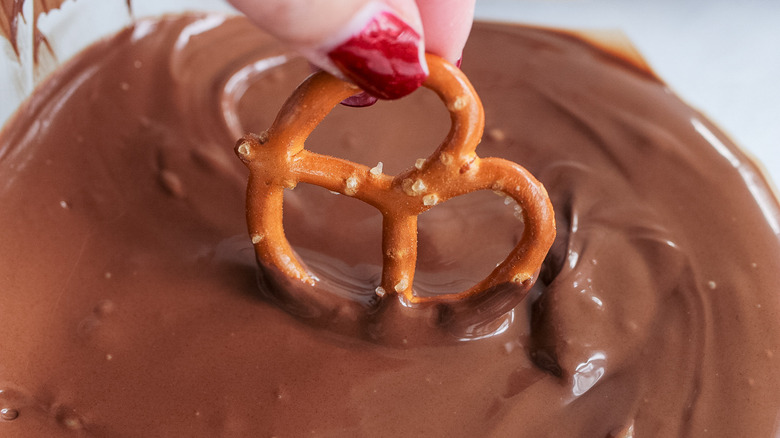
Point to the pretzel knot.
(277, 160)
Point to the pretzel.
(277, 160)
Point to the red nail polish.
(383, 59)
(459, 62)
(359, 100)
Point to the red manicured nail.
(384, 58)
(359, 100)
(459, 62)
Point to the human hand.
(377, 44)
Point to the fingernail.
(459, 62)
(359, 100)
(385, 58)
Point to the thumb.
(376, 44)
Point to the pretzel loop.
(277, 159)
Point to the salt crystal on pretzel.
(277, 159)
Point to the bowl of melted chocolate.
(128, 284)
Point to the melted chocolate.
(128, 284)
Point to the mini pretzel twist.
(277, 160)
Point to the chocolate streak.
(11, 12)
(128, 290)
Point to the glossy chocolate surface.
(128, 290)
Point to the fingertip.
(359, 100)
(386, 57)
(379, 45)
(447, 25)
(301, 23)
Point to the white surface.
(75, 26)
(721, 56)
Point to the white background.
(721, 56)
